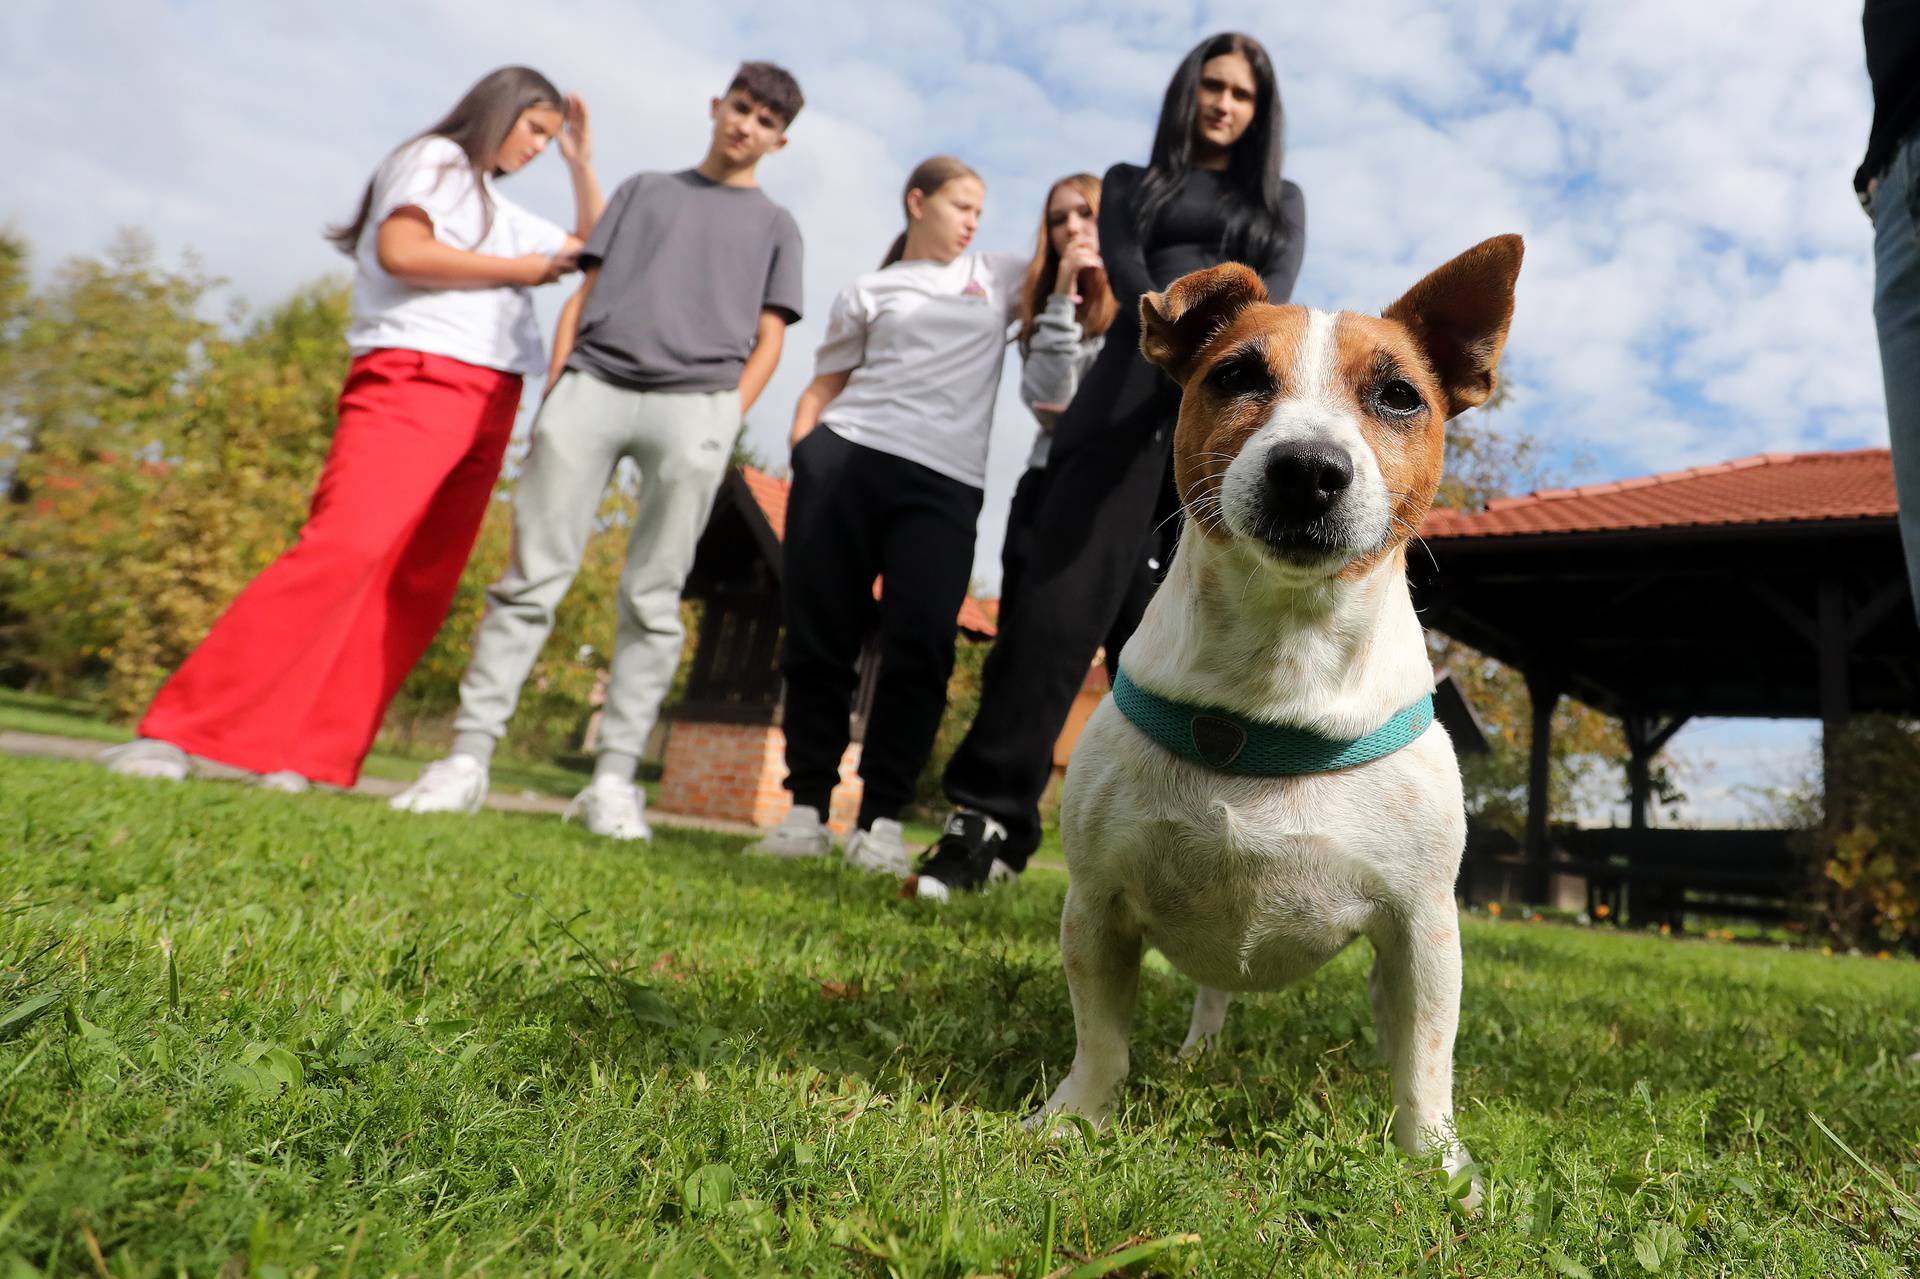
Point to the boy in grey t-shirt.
(691, 281)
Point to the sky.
(1698, 275)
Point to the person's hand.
(535, 269)
(797, 434)
(1047, 415)
(1080, 255)
(576, 133)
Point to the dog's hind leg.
(1416, 992)
(1209, 1015)
(1383, 1012)
(1103, 976)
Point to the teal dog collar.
(1232, 743)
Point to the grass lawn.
(36, 713)
(251, 1034)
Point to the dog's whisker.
(1414, 535)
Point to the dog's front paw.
(1197, 1045)
(1072, 1105)
(1057, 1125)
(1457, 1162)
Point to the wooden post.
(1646, 737)
(1835, 698)
(1639, 774)
(1543, 690)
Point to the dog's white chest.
(1250, 883)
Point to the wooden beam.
(1543, 690)
(1882, 602)
(1664, 734)
(1834, 698)
(1792, 614)
(1646, 737)
(1639, 729)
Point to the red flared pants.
(298, 672)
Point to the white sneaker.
(611, 807)
(928, 888)
(799, 834)
(147, 757)
(880, 848)
(456, 784)
(286, 781)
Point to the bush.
(1866, 836)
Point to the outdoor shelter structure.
(1771, 587)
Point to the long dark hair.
(927, 177)
(478, 124)
(1252, 199)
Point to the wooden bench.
(1651, 877)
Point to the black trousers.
(1093, 533)
(854, 514)
(1017, 549)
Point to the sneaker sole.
(149, 772)
(926, 889)
(641, 836)
(899, 870)
(401, 804)
(788, 854)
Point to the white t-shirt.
(925, 342)
(493, 327)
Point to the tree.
(99, 376)
(161, 461)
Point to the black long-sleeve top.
(1123, 399)
(1892, 29)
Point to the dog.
(1266, 782)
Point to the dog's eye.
(1398, 397)
(1245, 375)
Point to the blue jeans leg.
(1896, 313)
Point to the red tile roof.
(770, 494)
(1768, 488)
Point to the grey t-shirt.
(686, 266)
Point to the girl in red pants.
(293, 680)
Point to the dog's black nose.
(1304, 480)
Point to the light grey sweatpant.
(681, 442)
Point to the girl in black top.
(1212, 193)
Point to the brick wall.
(734, 772)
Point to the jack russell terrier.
(1266, 782)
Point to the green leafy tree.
(101, 372)
(159, 461)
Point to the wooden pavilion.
(1771, 587)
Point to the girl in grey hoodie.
(1065, 309)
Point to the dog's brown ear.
(1176, 326)
(1459, 315)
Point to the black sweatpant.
(854, 514)
(1017, 549)
(1094, 528)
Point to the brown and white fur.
(1309, 447)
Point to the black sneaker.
(966, 859)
